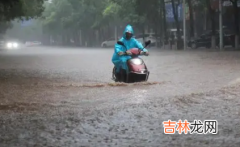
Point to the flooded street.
(65, 97)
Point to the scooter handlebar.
(144, 53)
(129, 53)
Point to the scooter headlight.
(15, 45)
(9, 45)
(137, 61)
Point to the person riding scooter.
(119, 58)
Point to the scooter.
(137, 69)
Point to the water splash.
(100, 85)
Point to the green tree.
(236, 20)
(211, 12)
(58, 19)
(190, 6)
(66, 18)
(12, 9)
(91, 16)
(175, 14)
(142, 13)
(127, 12)
(18, 9)
(32, 31)
(164, 21)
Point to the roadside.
(49, 102)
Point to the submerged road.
(65, 97)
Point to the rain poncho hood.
(120, 61)
(128, 28)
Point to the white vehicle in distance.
(148, 36)
(109, 42)
(33, 43)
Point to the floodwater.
(65, 97)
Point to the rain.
(59, 87)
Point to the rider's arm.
(139, 45)
(119, 49)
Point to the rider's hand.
(146, 53)
(120, 53)
(128, 53)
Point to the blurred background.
(92, 23)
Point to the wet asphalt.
(61, 97)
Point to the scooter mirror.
(147, 42)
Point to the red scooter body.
(140, 67)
